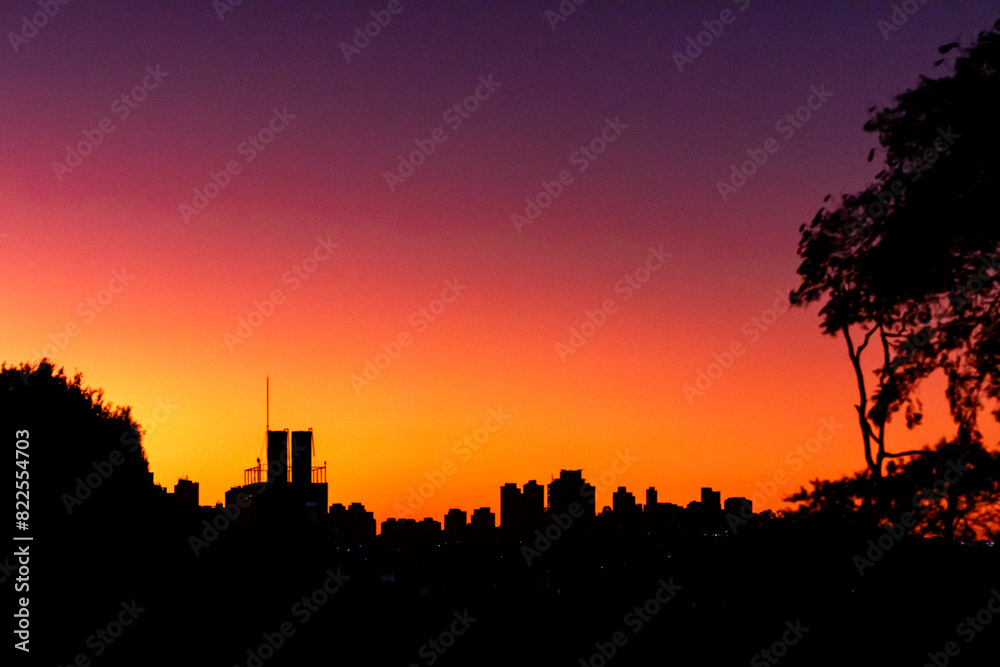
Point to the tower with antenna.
(289, 481)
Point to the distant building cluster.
(291, 491)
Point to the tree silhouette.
(909, 265)
(950, 491)
(77, 435)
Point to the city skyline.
(563, 252)
(261, 475)
(581, 333)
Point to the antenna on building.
(267, 403)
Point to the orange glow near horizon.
(101, 272)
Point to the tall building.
(302, 457)
(521, 509)
(711, 500)
(186, 492)
(352, 525)
(511, 507)
(569, 488)
(650, 498)
(623, 502)
(483, 520)
(455, 522)
(739, 506)
(277, 457)
(533, 497)
(275, 501)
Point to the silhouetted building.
(568, 488)
(711, 500)
(650, 498)
(302, 457)
(483, 522)
(409, 533)
(277, 457)
(277, 502)
(511, 507)
(521, 509)
(455, 522)
(623, 502)
(739, 506)
(186, 493)
(533, 499)
(352, 525)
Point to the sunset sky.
(287, 121)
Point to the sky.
(469, 245)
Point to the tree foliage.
(907, 268)
(950, 491)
